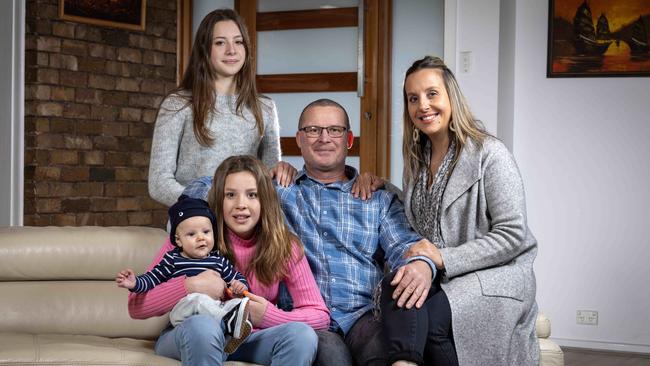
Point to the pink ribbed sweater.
(308, 305)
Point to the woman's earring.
(416, 134)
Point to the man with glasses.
(346, 240)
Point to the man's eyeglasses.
(315, 131)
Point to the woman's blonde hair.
(462, 125)
(273, 250)
(200, 75)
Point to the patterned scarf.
(426, 201)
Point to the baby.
(192, 224)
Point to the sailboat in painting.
(602, 29)
(585, 41)
(639, 39)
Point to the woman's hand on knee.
(208, 282)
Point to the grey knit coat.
(489, 277)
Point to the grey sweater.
(177, 158)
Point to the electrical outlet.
(587, 317)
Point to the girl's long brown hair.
(274, 240)
(462, 125)
(200, 75)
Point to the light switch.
(466, 62)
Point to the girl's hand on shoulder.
(125, 279)
(256, 308)
(284, 173)
(365, 184)
(208, 282)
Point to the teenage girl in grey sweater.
(215, 113)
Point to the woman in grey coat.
(464, 193)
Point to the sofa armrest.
(543, 326)
(550, 353)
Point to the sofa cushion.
(62, 349)
(75, 253)
(61, 280)
(65, 349)
(72, 307)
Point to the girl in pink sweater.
(252, 234)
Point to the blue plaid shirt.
(346, 240)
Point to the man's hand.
(208, 282)
(256, 309)
(284, 173)
(125, 279)
(413, 282)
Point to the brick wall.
(91, 98)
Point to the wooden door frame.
(375, 150)
(375, 107)
(183, 36)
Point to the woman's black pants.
(422, 336)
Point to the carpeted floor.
(584, 357)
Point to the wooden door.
(372, 143)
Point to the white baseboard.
(605, 346)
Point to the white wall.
(201, 8)
(506, 73)
(480, 83)
(582, 145)
(418, 28)
(12, 32)
(582, 148)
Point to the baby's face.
(195, 237)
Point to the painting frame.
(107, 13)
(582, 45)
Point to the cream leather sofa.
(59, 304)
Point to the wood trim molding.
(384, 87)
(184, 36)
(247, 9)
(314, 82)
(290, 147)
(375, 104)
(307, 19)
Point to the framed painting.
(128, 14)
(594, 38)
